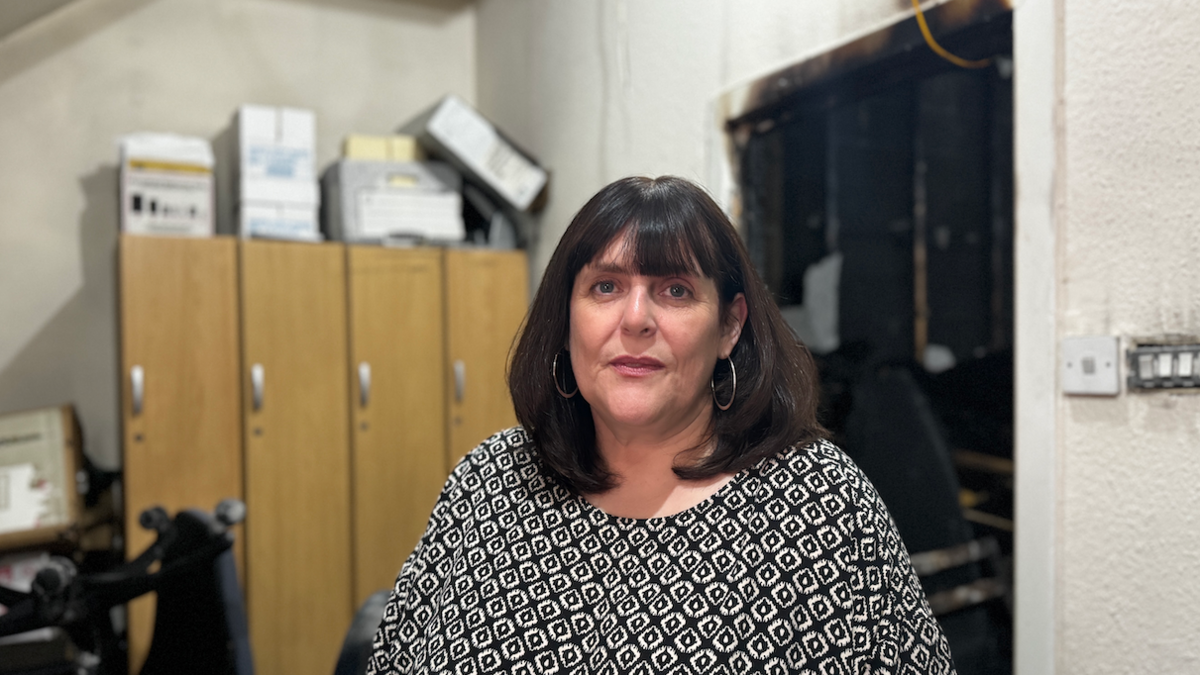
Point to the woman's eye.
(677, 291)
(606, 287)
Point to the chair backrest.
(893, 436)
(356, 648)
(200, 623)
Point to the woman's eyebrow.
(609, 267)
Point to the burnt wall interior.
(902, 169)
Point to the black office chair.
(200, 619)
(200, 624)
(356, 648)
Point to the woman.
(668, 503)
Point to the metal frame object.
(1163, 366)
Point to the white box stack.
(277, 193)
(166, 185)
(377, 201)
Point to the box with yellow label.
(166, 185)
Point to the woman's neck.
(643, 461)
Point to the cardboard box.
(166, 185)
(276, 143)
(276, 151)
(39, 457)
(279, 220)
(277, 192)
(453, 131)
(260, 190)
(374, 201)
(395, 148)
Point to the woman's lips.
(636, 366)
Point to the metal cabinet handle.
(256, 384)
(460, 380)
(364, 383)
(137, 386)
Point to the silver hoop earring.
(554, 374)
(713, 385)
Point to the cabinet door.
(298, 573)
(182, 440)
(179, 340)
(398, 402)
(486, 299)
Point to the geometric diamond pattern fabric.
(794, 566)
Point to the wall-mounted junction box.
(1091, 365)
(1164, 366)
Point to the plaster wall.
(1129, 541)
(76, 79)
(605, 89)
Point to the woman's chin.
(639, 413)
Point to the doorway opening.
(876, 185)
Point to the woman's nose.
(638, 317)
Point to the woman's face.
(643, 348)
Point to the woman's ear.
(735, 320)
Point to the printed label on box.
(277, 161)
(32, 471)
(166, 202)
(280, 221)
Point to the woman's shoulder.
(507, 453)
(500, 477)
(820, 455)
(513, 442)
(824, 473)
(820, 466)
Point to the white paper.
(816, 321)
(23, 499)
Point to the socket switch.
(1091, 365)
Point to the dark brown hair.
(673, 227)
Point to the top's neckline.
(694, 509)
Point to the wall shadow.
(224, 147)
(74, 357)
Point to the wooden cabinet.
(297, 458)
(180, 399)
(330, 387)
(433, 329)
(486, 299)
(397, 361)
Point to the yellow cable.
(937, 49)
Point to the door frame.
(1037, 147)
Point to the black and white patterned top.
(793, 566)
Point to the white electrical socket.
(1091, 365)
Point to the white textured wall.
(1129, 552)
(602, 89)
(74, 80)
